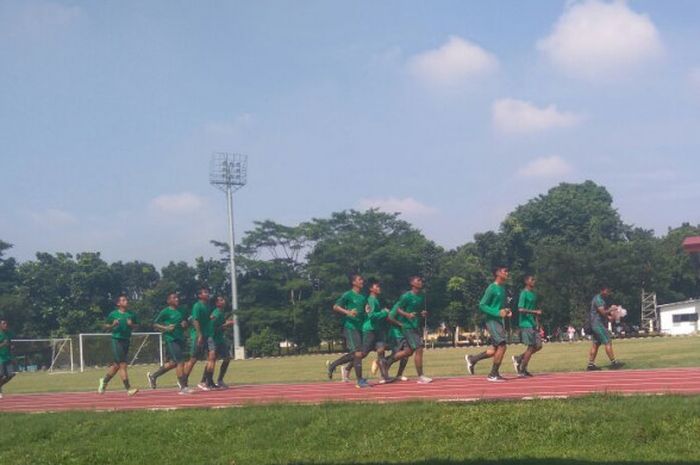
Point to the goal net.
(95, 349)
(52, 354)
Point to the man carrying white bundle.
(600, 335)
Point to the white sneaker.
(345, 374)
(203, 387)
(185, 391)
(132, 392)
(222, 385)
(0, 395)
(403, 378)
(424, 380)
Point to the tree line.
(571, 238)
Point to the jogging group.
(395, 334)
(367, 327)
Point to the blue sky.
(451, 112)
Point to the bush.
(263, 344)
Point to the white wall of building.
(666, 313)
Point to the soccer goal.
(95, 349)
(51, 354)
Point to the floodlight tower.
(229, 172)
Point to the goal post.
(52, 354)
(94, 349)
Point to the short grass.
(582, 431)
(637, 353)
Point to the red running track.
(473, 388)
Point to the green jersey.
(216, 321)
(352, 300)
(6, 351)
(410, 302)
(594, 316)
(528, 301)
(493, 301)
(375, 318)
(200, 313)
(171, 316)
(395, 332)
(122, 330)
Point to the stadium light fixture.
(228, 173)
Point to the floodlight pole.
(229, 173)
(232, 263)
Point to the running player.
(529, 328)
(351, 305)
(121, 321)
(598, 315)
(493, 306)
(374, 329)
(409, 309)
(200, 342)
(399, 346)
(171, 322)
(7, 369)
(217, 326)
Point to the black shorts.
(201, 351)
(398, 344)
(7, 370)
(497, 333)
(222, 350)
(353, 339)
(372, 340)
(176, 351)
(120, 350)
(413, 337)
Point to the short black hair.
(175, 293)
(528, 276)
(498, 267)
(203, 287)
(372, 281)
(119, 296)
(414, 276)
(223, 297)
(352, 276)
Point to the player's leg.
(208, 375)
(123, 345)
(224, 354)
(415, 342)
(7, 372)
(169, 365)
(498, 338)
(614, 363)
(592, 354)
(113, 368)
(357, 342)
(347, 358)
(472, 360)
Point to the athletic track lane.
(684, 381)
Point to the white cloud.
(53, 218)
(456, 61)
(545, 167)
(185, 202)
(596, 40)
(407, 206)
(517, 116)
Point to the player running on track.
(120, 321)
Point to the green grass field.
(598, 429)
(637, 353)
